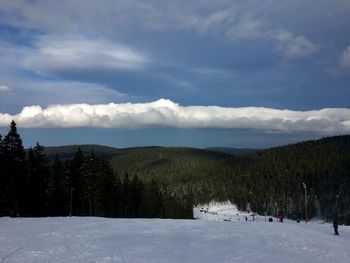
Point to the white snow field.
(224, 211)
(91, 239)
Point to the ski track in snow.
(210, 239)
(89, 239)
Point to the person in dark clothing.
(335, 226)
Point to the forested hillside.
(275, 178)
(270, 181)
(183, 172)
(33, 185)
(311, 177)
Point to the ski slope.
(88, 239)
(224, 211)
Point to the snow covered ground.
(88, 239)
(225, 211)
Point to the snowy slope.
(86, 239)
(224, 211)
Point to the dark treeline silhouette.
(32, 186)
(167, 182)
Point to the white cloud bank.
(165, 113)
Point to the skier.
(335, 226)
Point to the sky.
(200, 73)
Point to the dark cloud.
(240, 53)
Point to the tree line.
(310, 177)
(266, 181)
(33, 186)
(167, 182)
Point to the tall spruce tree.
(152, 205)
(13, 174)
(38, 177)
(117, 195)
(75, 177)
(136, 189)
(2, 181)
(108, 191)
(58, 192)
(89, 184)
(125, 197)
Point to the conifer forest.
(308, 179)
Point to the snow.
(91, 239)
(224, 211)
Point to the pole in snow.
(304, 185)
(71, 202)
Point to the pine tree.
(75, 177)
(14, 173)
(3, 207)
(125, 198)
(38, 177)
(108, 191)
(58, 192)
(117, 195)
(153, 201)
(136, 189)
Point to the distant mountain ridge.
(234, 151)
(68, 151)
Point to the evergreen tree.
(117, 195)
(136, 189)
(75, 178)
(13, 174)
(3, 207)
(38, 176)
(58, 190)
(125, 196)
(153, 201)
(108, 191)
(90, 170)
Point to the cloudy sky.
(194, 73)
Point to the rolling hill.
(267, 181)
(68, 151)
